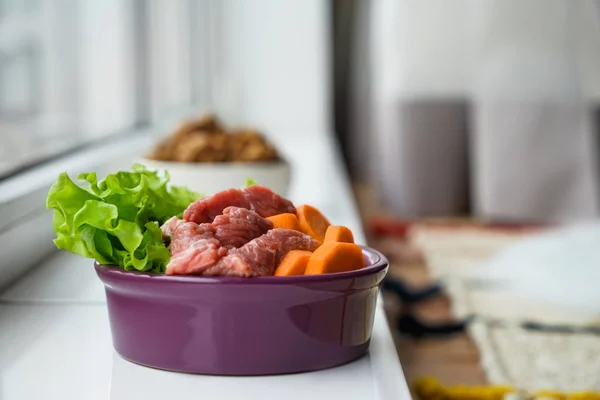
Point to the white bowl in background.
(209, 178)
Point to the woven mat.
(537, 360)
(531, 360)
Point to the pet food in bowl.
(205, 156)
(239, 283)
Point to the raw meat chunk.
(266, 202)
(207, 208)
(289, 240)
(183, 234)
(196, 251)
(200, 255)
(193, 247)
(260, 199)
(237, 226)
(169, 226)
(260, 256)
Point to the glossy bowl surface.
(243, 326)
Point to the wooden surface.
(453, 360)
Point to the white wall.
(437, 48)
(170, 54)
(107, 77)
(280, 55)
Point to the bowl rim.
(281, 162)
(380, 263)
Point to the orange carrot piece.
(312, 222)
(335, 257)
(294, 263)
(337, 233)
(286, 221)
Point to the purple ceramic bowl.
(243, 326)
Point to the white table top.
(55, 339)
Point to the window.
(73, 72)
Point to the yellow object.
(550, 394)
(584, 396)
(428, 388)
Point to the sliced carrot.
(337, 233)
(312, 222)
(335, 257)
(294, 263)
(286, 221)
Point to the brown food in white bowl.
(250, 145)
(205, 140)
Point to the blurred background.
(471, 107)
(483, 107)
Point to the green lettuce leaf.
(117, 220)
(250, 182)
